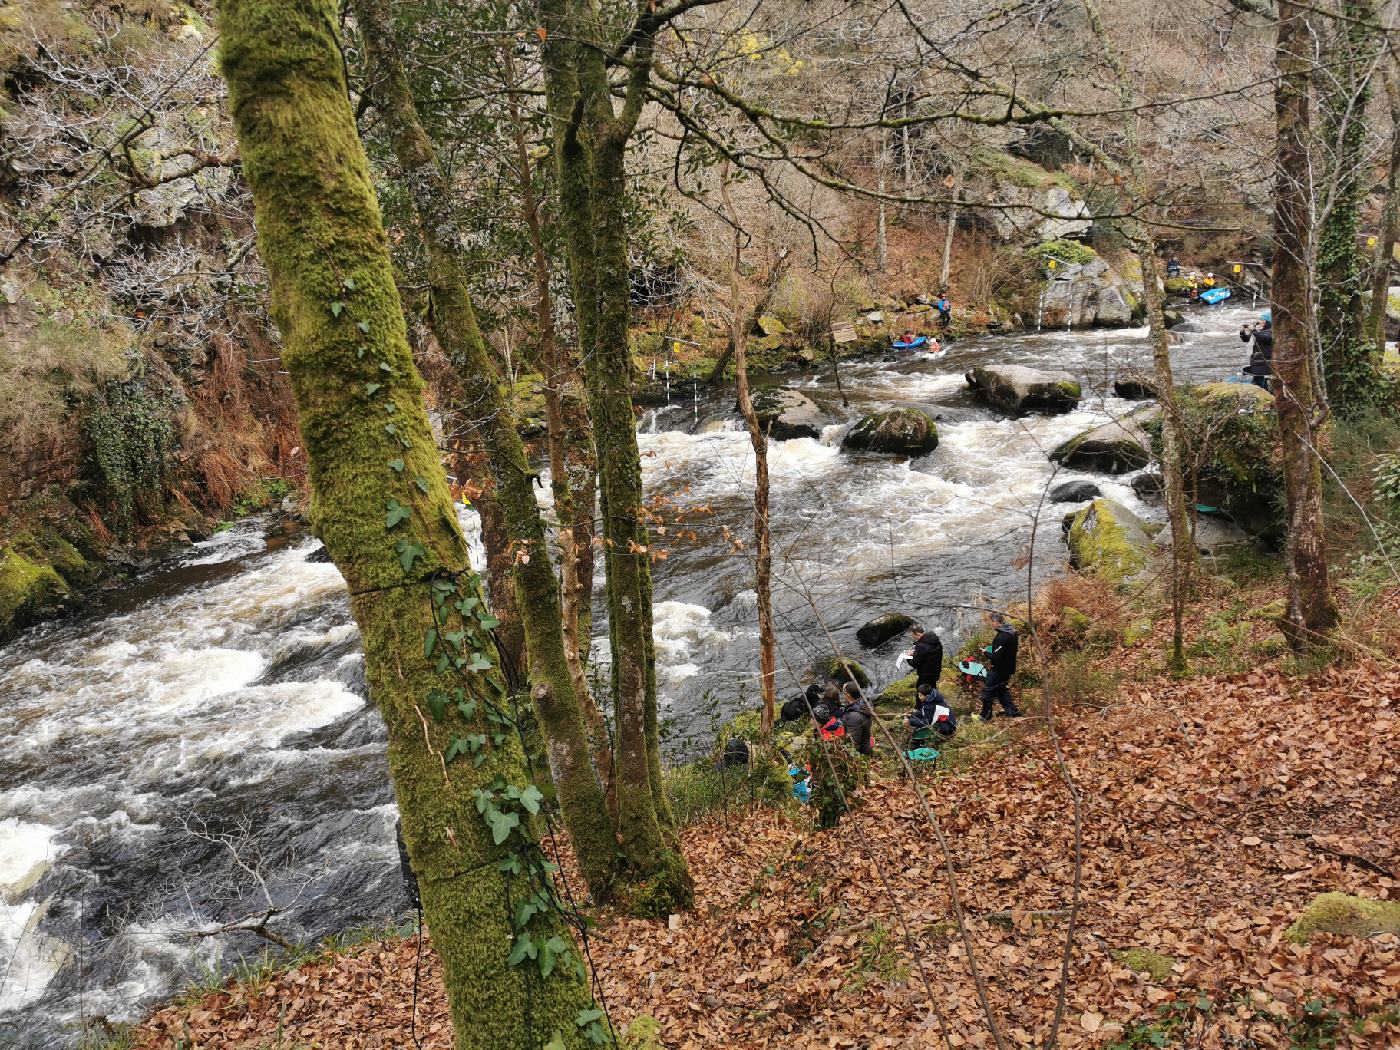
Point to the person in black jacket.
(1001, 665)
(1260, 336)
(856, 717)
(931, 708)
(926, 658)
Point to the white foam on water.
(25, 851)
(684, 635)
(31, 959)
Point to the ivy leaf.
(385, 366)
(479, 663)
(502, 824)
(488, 622)
(429, 643)
(437, 699)
(363, 326)
(370, 388)
(390, 407)
(455, 638)
(349, 284)
(531, 798)
(524, 949)
(525, 913)
(360, 352)
(455, 750)
(396, 465)
(422, 484)
(557, 1042)
(395, 512)
(408, 553)
(390, 428)
(467, 709)
(337, 308)
(587, 1017)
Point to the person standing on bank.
(1001, 665)
(926, 658)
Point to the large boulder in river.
(1016, 389)
(1108, 540)
(1214, 536)
(1117, 447)
(903, 431)
(881, 629)
(1135, 388)
(786, 414)
(1074, 492)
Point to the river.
(208, 732)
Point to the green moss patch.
(1347, 916)
(1145, 960)
(1107, 540)
(28, 590)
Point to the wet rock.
(1081, 295)
(1149, 487)
(1016, 389)
(902, 431)
(1134, 389)
(1214, 536)
(786, 414)
(1172, 318)
(881, 629)
(841, 669)
(1117, 447)
(1109, 540)
(319, 556)
(1074, 492)
(29, 591)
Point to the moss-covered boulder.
(1017, 390)
(880, 630)
(901, 431)
(29, 591)
(842, 669)
(770, 325)
(899, 693)
(786, 414)
(1240, 459)
(1109, 540)
(1347, 916)
(1117, 447)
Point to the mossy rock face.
(29, 590)
(881, 629)
(1107, 539)
(1145, 960)
(1117, 447)
(901, 431)
(835, 668)
(770, 325)
(1016, 390)
(1346, 916)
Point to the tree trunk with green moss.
(590, 145)
(1351, 365)
(453, 320)
(380, 503)
(1311, 611)
(1390, 227)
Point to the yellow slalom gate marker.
(1238, 268)
(1370, 242)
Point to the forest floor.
(1213, 811)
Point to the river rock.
(1172, 318)
(1149, 487)
(770, 325)
(30, 590)
(1109, 540)
(1074, 492)
(1117, 447)
(1242, 474)
(1016, 389)
(1134, 389)
(902, 431)
(319, 556)
(835, 668)
(786, 414)
(881, 629)
(1079, 295)
(1213, 535)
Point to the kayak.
(917, 342)
(934, 355)
(1215, 295)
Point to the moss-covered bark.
(590, 142)
(453, 320)
(381, 505)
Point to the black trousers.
(996, 689)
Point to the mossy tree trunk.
(1390, 226)
(763, 554)
(1311, 610)
(590, 146)
(381, 504)
(1352, 375)
(453, 320)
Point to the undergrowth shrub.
(132, 438)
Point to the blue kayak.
(918, 342)
(1215, 295)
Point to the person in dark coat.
(857, 718)
(802, 706)
(931, 708)
(926, 658)
(1001, 665)
(1260, 337)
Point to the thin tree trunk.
(1311, 611)
(453, 319)
(1390, 227)
(948, 234)
(589, 151)
(382, 507)
(763, 555)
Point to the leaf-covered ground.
(1213, 811)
